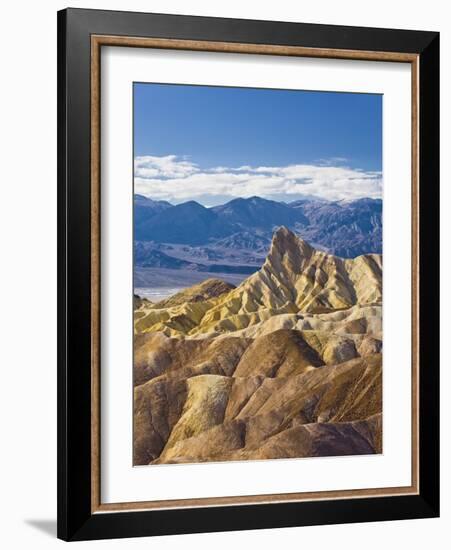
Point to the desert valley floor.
(287, 364)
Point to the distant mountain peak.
(142, 200)
(346, 228)
(192, 203)
(256, 212)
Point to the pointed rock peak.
(283, 232)
(288, 250)
(285, 240)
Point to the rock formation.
(286, 365)
(295, 278)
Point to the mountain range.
(294, 277)
(238, 233)
(287, 364)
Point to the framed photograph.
(248, 274)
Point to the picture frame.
(81, 36)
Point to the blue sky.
(212, 144)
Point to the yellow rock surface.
(295, 278)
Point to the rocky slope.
(294, 279)
(197, 415)
(286, 365)
(344, 228)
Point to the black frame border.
(75, 520)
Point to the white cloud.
(177, 179)
(163, 167)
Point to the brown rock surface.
(224, 413)
(280, 353)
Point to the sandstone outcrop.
(295, 278)
(286, 365)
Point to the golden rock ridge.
(294, 278)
